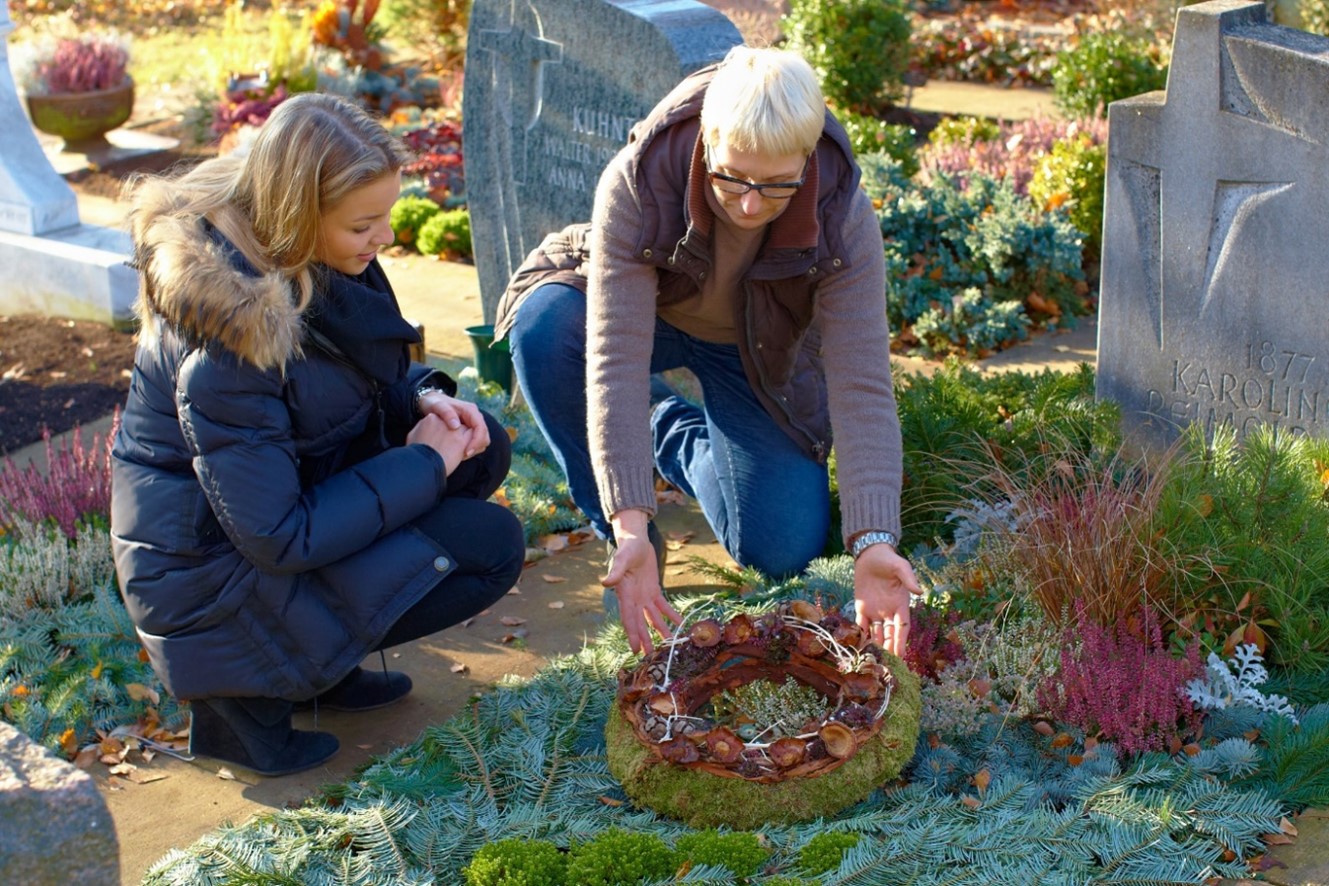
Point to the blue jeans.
(766, 500)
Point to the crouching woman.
(289, 491)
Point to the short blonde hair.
(764, 100)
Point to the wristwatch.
(874, 537)
(422, 393)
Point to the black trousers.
(485, 540)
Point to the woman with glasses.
(729, 237)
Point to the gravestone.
(552, 89)
(55, 828)
(53, 264)
(1215, 272)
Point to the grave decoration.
(773, 718)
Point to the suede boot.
(256, 733)
(362, 690)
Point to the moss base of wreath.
(701, 799)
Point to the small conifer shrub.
(447, 233)
(617, 857)
(517, 862)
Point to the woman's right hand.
(450, 443)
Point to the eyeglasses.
(774, 190)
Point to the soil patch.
(57, 374)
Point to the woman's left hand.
(883, 583)
(456, 414)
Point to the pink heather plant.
(1012, 155)
(933, 643)
(76, 485)
(1121, 684)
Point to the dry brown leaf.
(971, 802)
(553, 543)
(86, 757)
(514, 590)
(225, 774)
(556, 604)
(512, 621)
(467, 622)
(122, 768)
(1062, 740)
(982, 778)
(1287, 827)
(364, 747)
(553, 579)
(610, 801)
(141, 777)
(139, 692)
(1277, 839)
(512, 636)
(458, 668)
(69, 743)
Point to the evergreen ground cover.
(1011, 781)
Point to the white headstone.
(52, 264)
(33, 198)
(1215, 272)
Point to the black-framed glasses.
(773, 190)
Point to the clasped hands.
(453, 428)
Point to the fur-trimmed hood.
(193, 279)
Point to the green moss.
(742, 854)
(621, 858)
(517, 862)
(825, 851)
(703, 800)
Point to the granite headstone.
(1215, 272)
(552, 89)
(54, 265)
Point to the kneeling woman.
(290, 492)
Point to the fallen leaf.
(139, 692)
(225, 774)
(519, 634)
(610, 801)
(556, 604)
(364, 747)
(1062, 740)
(1277, 839)
(1287, 827)
(553, 579)
(141, 777)
(971, 802)
(122, 768)
(86, 757)
(512, 621)
(553, 543)
(982, 778)
(458, 668)
(514, 590)
(69, 743)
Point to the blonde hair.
(312, 152)
(764, 100)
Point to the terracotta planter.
(82, 119)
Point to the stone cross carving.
(516, 58)
(552, 89)
(1212, 273)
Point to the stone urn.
(82, 119)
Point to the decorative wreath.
(672, 757)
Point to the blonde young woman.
(290, 492)
(730, 237)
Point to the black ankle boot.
(256, 733)
(363, 690)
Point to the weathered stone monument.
(552, 89)
(1216, 236)
(55, 828)
(53, 264)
